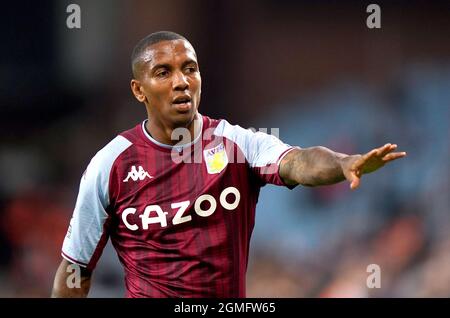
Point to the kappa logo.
(136, 175)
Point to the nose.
(180, 82)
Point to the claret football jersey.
(180, 217)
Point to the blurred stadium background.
(315, 71)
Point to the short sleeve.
(88, 230)
(262, 151)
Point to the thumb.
(354, 181)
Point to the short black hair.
(151, 39)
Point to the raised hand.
(355, 166)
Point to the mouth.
(182, 103)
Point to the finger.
(372, 153)
(355, 181)
(394, 156)
(386, 149)
(358, 164)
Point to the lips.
(182, 103)
(183, 99)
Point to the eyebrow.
(157, 66)
(189, 61)
(168, 66)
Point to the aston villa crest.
(216, 159)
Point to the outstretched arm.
(65, 287)
(321, 166)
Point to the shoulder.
(102, 162)
(209, 123)
(118, 145)
(112, 150)
(222, 128)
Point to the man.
(180, 213)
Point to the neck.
(165, 134)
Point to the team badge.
(216, 159)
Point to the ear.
(137, 90)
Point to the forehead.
(169, 52)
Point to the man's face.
(170, 83)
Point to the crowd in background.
(315, 72)
(400, 217)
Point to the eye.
(162, 73)
(191, 69)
